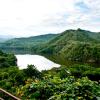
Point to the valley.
(71, 45)
(77, 78)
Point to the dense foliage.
(55, 88)
(75, 45)
(64, 83)
(68, 82)
(7, 60)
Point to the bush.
(62, 89)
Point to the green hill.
(24, 45)
(72, 45)
(75, 45)
(30, 41)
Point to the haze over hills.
(4, 38)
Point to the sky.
(24, 18)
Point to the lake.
(40, 62)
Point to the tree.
(32, 72)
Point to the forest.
(72, 45)
(79, 80)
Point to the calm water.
(40, 62)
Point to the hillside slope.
(75, 45)
(24, 45)
(28, 41)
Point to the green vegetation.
(25, 45)
(7, 60)
(75, 45)
(60, 89)
(76, 82)
(72, 45)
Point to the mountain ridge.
(26, 44)
(75, 45)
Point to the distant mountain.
(75, 45)
(26, 44)
(29, 41)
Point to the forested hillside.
(25, 45)
(30, 41)
(75, 45)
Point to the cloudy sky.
(34, 17)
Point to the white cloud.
(33, 17)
